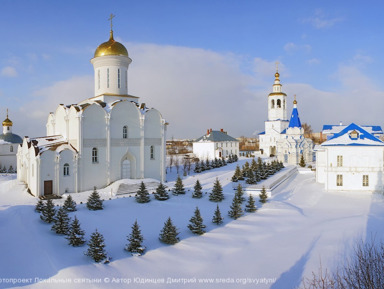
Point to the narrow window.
(279, 103)
(273, 103)
(339, 181)
(107, 77)
(152, 152)
(339, 161)
(94, 156)
(125, 131)
(365, 181)
(98, 78)
(118, 78)
(126, 80)
(11, 149)
(66, 170)
(284, 104)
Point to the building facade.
(351, 160)
(102, 139)
(215, 144)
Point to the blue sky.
(212, 62)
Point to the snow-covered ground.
(286, 239)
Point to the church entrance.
(272, 151)
(48, 188)
(126, 169)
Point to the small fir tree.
(302, 161)
(240, 193)
(197, 167)
(61, 222)
(179, 187)
(161, 193)
(263, 196)
(168, 234)
(196, 223)
(217, 218)
(75, 234)
(39, 206)
(94, 201)
(238, 173)
(96, 247)
(197, 193)
(217, 192)
(135, 240)
(235, 209)
(250, 206)
(69, 204)
(142, 195)
(48, 212)
(251, 178)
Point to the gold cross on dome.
(110, 19)
(277, 66)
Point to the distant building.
(215, 144)
(9, 143)
(282, 137)
(108, 137)
(351, 160)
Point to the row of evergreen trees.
(256, 171)
(4, 170)
(206, 165)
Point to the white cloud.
(313, 61)
(291, 47)
(34, 113)
(320, 21)
(9, 71)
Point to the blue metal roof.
(11, 138)
(295, 119)
(363, 137)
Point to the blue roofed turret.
(295, 119)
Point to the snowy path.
(283, 241)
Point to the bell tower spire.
(277, 100)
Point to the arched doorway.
(126, 169)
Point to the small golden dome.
(295, 101)
(111, 47)
(7, 122)
(277, 75)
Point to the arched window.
(125, 131)
(94, 156)
(279, 103)
(152, 150)
(11, 149)
(273, 103)
(66, 170)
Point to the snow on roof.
(295, 119)
(353, 135)
(216, 136)
(42, 144)
(335, 128)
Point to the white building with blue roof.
(351, 160)
(284, 137)
(292, 145)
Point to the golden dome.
(111, 47)
(7, 122)
(277, 75)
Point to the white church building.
(108, 137)
(351, 160)
(284, 137)
(9, 143)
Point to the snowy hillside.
(275, 247)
